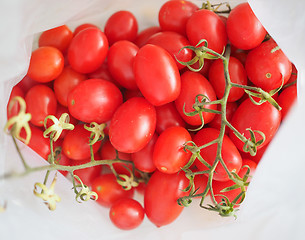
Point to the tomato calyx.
(84, 194)
(251, 144)
(216, 8)
(97, 132)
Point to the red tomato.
(88, 50)
(257, 157)
(168, 116)
(237, 73)
(46, 64)
(145, 34)
(173, 15)
(205, 24)
(169, 155)
(109, 191)
(157, 75)
(229, 152)
(102, 96)
(244, 29)
(121, 56)
(294, 75)
(173, 43)
(143, 159)
(82, 27)
(76, 144)
(264, 118)
(161, 195)
(121, 25)
(266, 66)
(126, 214)
(286, 99)
(134, 120)
(59, 37)
(13, 110)
(131, 93)
(200, 182)
(193, 84)
(66, 82)
(41, 102)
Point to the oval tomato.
(157, 75)
(82, 27)
(145, 34)
(286, 99)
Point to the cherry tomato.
(83, 26)
(265, 118)
(173, 15)
(294, 75)
(286, 99)
(237, 73)
(157, 75)
(121, 56)
(192, 84)
(102, 96)
(267, 66)
(200, 182)
(145, 34)
(41, 102)
(161, 195)
(13, 109)
(46, 64)
(59, 37)
(229, 153)
(88, 50)
(109, 191)
(169, 155)
(122, 25)
(244, 29)
(205, 24)
(126, 214)
(132, 125)
(66, 82)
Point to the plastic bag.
(274, 199)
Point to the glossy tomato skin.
(82, 27)
(13, 110)
(267, 65)
(120, 63)
(286, 99)
(205, 24)
(161, 195)
(126, 214)
(132, 125)
(41, 102)
(264, 118)
(157, 75)
(122, 25)
(145, 34)
(237, 73)
(229, 152)
(94, 100)
(108, 190)
(46, 64)
(88, 50)
(193, 84)
(169, 155)
(244, 29)
(76, 144)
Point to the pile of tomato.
(132, 81)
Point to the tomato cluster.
(138, 84)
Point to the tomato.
(109, 191)
(267, 65)
(126, 214)
(205, 24)
(59, 37)
(286, 99)
(204, 70)
(200, 182)
(102, 96)
(229, 153)
(169, 155)
(46, 64)
(265, 118)
(13, 110)
(237, 73)
(41, 102)
(66, 82)
(173, 43)
(294, 75)
(192, 84)
(82, 27)
(143, 159)
(161, 195)
(157, 75)
(88, 50)
(121, 56)
(244, 29)
(168, 116)
(257, 157)
(131, 93)
(76, 143)
(173, 15)
(122, 25)
(132, 125)
(145, 34)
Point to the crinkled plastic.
(273, 208)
